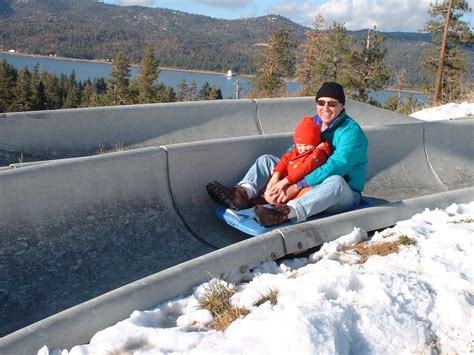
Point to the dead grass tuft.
(463, 220)
(217, 301)
(223, 320)
(271, 296)
(367, 249)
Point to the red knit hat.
(307, 132)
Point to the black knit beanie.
(332, 89)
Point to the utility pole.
(439, 74)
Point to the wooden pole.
(439, 74)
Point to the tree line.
(332, 55)
(25, 90)
(327, 54)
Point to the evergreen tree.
(192, 91)
(275, 62)
(119, 81)
(8, 76)
(209, 92)
(165, 94)
(52, 91)
(313, 53)
(393, 103)
(186, 92)
(90, 96)
(38, 97)
(182, 90)
(145, 81)
(22, 92)
(334, 63)
(72, 99)
(453, 63)
(368, 71)
(327, 56)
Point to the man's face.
(328, 109)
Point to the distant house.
(229, 73)
(11, 51)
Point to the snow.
(445, 112)
(417, 300)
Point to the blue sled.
(244, 220)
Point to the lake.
(90, 70)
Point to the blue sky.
(387, 15)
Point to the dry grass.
(217, 301)
(367, 249)
(271, 296)
(118, 147)
(222, 321)
(463, 220)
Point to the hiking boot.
(234, 197)
(270, 216)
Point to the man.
(336, 186)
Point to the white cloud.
(387, 15)
(135, 2)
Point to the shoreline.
(109, 62)
(210, 72)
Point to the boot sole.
(215, 192)
(258, 216)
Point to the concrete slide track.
(135, 228)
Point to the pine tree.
(368, 71)
(22, 92)
(52, 91)
(38, 97)
(145, 81)
(452, 64)
(182, 90)
(209, 92)
(275, 62)
(313, 53)
(326, 56)
(119, 81)
(8, 76)
(72, 99)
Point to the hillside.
(90, 29)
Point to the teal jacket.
(349, 159)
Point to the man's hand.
(287, 194)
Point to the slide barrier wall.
(57, 134)
(73, 229)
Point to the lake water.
(88, 70)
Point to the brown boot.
(234, 197)
(270, 216)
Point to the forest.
(90, 29)
(359, 60)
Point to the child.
(305, 155)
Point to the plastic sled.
(244, 220)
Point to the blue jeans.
(333, 195)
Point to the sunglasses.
(330, 103)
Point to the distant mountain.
(91, 29)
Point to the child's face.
(302, 148)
